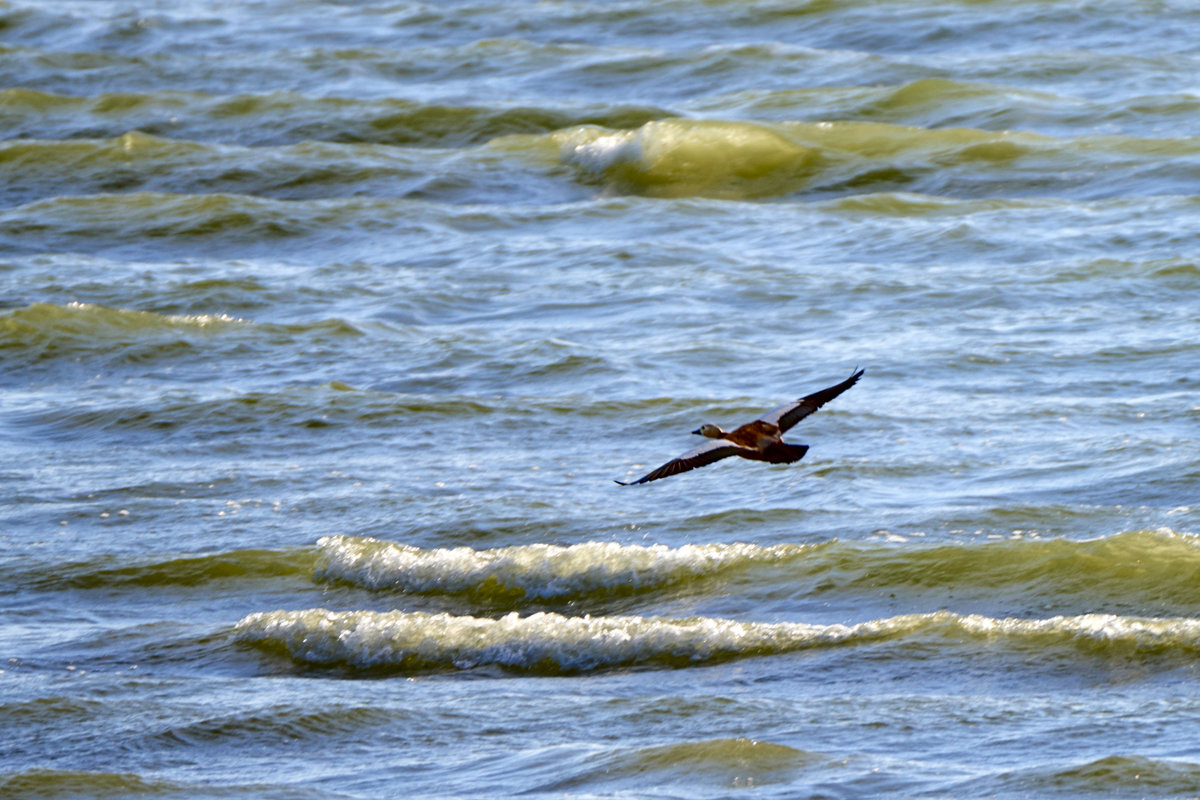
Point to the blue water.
(325, 330)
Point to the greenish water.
(326, 328)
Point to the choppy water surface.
(326, 327)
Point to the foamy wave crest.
(1089, 632)
(533, 571)
(553, 643)
(541, 642)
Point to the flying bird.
(760, 440)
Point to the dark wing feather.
(787, 416)
(700, 457)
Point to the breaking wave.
(678, 158)
(550, 643)
(541, 571)
(1135, 569)
(753, 160)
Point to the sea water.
(325, 329)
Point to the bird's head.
(711, 431)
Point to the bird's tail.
(786, 453)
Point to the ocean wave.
(223, 413)
(89, 321)
(157, 169)
(943, 102)
(537, 571)
(1148, 570)
(1135, 569)
(138, 162)
(721, 756)
(677, 158)
(284, 724)
(48, 332)
(109, 572)
(46, 784)
(228, 409)
(166, 226)
(736, 761)
(50, 783)
(140, 216)
(751, 160)
(552, 643)
(1125, 775)
(287, 118)
(541, 642)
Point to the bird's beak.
(697, 432)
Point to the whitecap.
(537, 570)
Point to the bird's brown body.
(760, 440)
(766, 440)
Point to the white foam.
(540, 641)
(555, 643)
(599, 155)
(1092, 630)
(536, 570)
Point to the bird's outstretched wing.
(787, 416)
(700, 457)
